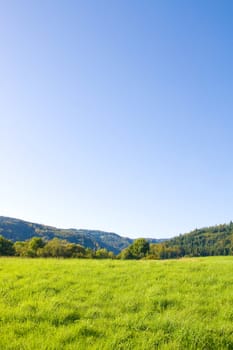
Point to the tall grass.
(88, 304)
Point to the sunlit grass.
(89, 304)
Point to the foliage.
(209, 241)
(6, 247)
(103, 254)
(137, 250)
(57, 248)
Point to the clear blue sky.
(117, 115)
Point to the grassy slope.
(89, 304)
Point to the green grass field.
(104, 304)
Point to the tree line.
(216, 240)
(54, 248)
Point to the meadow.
(107, 304)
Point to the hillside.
(213, 240)
(19, 230)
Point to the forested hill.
(19, 230)
(214, 240)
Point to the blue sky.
(117, 115)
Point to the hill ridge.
(20, 230)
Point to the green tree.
(6, 247)
(36, 243)
(55, 248)
(126, 254)
(73, 250)
(102, 253)
(137, 250)
(140, 248)
(20, 248)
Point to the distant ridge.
(20, 230)
(213, 240)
